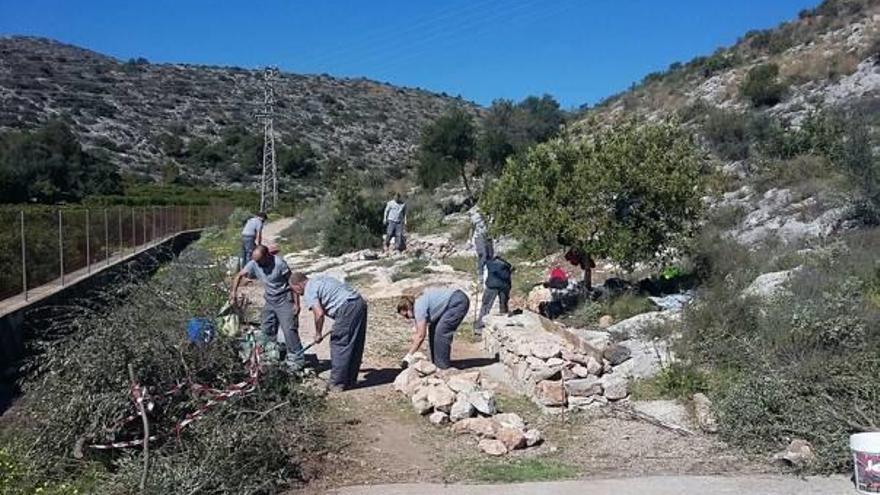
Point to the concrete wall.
(22, 326)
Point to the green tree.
(509, 128)
(298, 160)
(628, 194)
(762, 87)
(447, 145)
(48, 165)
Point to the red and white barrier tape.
(217, 396)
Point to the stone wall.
(556, 366)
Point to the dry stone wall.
(557, 367)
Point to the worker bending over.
(437, 313)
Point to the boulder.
(493, 447)
(770, 285)
(584, 387)
(461, 409)
(464, 382)
(704, 413)
(441, 397)
(646, 358)
(483, 401)
(438, 418)
(638, 325)
(799, 454)
(583, 403)
(420, 401)
(617, 354)
(483, 427)
(510, 420)
(668, 411)
(533, 437)
(545, 373)
(594, 367)
(615, 386)
(512, 438)
(550, 393)
(424, 368)
(407, 381)
(538, 295)
(545, 350)
(606, 321)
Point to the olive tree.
(631, 193)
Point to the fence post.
(154, 224)
(119, 221)
(88, 245)
(145, 224)
(133, 229)
(61, 245)
(23, 259)
(106, 239)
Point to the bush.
(356, 221)
(251, 443)
(761, 86)
(794, 365)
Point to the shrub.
(761, 86)
(794, 365)
(356, 221)
(247, 444)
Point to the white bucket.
(866, 460)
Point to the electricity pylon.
(269, 181)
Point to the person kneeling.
(437, 313)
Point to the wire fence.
(42, 246)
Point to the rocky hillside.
(149, 115)
(787, 115)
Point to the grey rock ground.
(655, 485)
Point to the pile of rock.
(557, 367)
(461, 400)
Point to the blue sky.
(577, 50)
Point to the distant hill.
(201, 121)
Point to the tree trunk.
(464, 179)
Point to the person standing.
(281, 308)
(251, 236)
(437, 312)
(481, 241)
(497, 284)
(326, 296)
(395, 222)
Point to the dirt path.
(379, 439)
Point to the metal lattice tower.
(269, 181)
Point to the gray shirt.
(330, 293)
(431, 304)
(275, 277)
(394, 211)
(481, 231)
(252, 227)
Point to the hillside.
(198, 118)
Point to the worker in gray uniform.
(395, 221)
(437, 313)
(481, 241)
(251, 236)
(326, 296)
(281, 308)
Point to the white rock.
(512, 438)
(483, 401)
(584, 387)
(594, 367)
(533, 437)
(639, 324)
(615, 387)
(493, 447)
(510, 420)
(555, 362)
(704, 413)
(438, 418)
(420, 401)
(770, 285)
(441, 397)
(425, 368)
(483, 427)
(461, 409)
(407, 381)
(580, 371)
(545, 350)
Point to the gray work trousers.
(489, 295)
(279, 315)
(248, 243)
(347, 342)
(441, 332)
(485, 252)
(394, 230)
